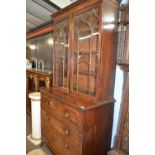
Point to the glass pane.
(85, 52)
(60, 53)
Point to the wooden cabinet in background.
(123, 36)
(77, 112)
(34, 80)
(122, 140)
(124, 14)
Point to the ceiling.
(38, 12)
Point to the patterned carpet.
(29, 145)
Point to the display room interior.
(77, 77)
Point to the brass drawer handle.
(51, 102)
(66, 131)
(66, 146)
(66, 114)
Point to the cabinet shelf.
(87, 73)
(85, 53)
(60, 56)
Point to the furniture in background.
(77, 112)
(39, 46)
(123, 36)
(34, 80)
(122, 139)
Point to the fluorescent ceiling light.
(32, 47)
(50, 41)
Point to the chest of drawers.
(70, 129)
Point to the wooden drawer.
(59, 145)
(52, 126)
(61, 111)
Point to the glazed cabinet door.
(85, 51)
(60, 54)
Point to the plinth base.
(35, 142)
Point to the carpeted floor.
(29, 145)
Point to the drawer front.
(59, 140)
(62, 111)
(59, 145)
(52, 126)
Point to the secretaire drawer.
(62, 111)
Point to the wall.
(41, 48)
(117, 96)
(125, 1)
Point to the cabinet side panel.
(108, 50)
(97, 130)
